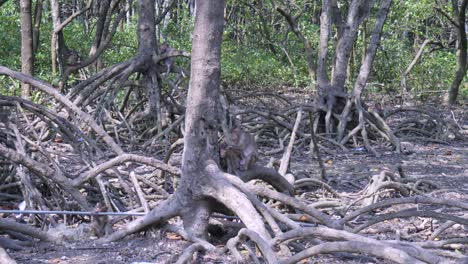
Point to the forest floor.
(443, 164)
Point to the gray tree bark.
(26, 45)
(462, 54)
(202, 120)
(55, 43)
(37, 24)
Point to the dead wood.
(62, 99)
(407, 200)
(287, 155)
(311, 182)
(392, 254)
(29, 230)
(340, 235)
(410, 213)
(4, 258)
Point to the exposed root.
(441, 229)
(29, 230)
(187, 255)
(312, 182)
(189, 237)
(162, 212)
(290, 201)
(389, 253)
(236, 201)
(4, 258)
(410, 213)
(407, 200)
(267, 252)
(270, 176)
(266, 226)
(11, 244)
(333, 235)
(426, 125)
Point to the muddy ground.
(445, 165)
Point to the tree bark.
(403, 87)
(461, 54)
(309, 50)
(366, 66)
(37, 24)
(55, 44)
(325, 24)
(358, 12)
(201, 121)
(26, 45)
(146, 48)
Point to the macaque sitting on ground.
(100, 224)
(242, 153)
(168, 62)
(230, 159)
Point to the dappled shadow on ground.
(444, 165)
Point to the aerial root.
(389, 253)
(29, 230)
(429, 126)
(365, 120)
(410, 213)
(187, 255)
(313, 182)
(332, 234)
(234, 199)
(285, 199)
(407, 200)
(189, 237)
(165, 210)
(264, 246)
(387, 181)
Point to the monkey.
(100, 224)
(244, 143)
(72, 58)
(229, 159)
(379, 109)
(168, 62)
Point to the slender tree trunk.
(147, 47)
(358, 12)
(309, 50)
(106, 9)
(371, 50)
(37, 24)
(325, 24)
(403, 87)
(265, 30)
(201, 121)
(461, 54)
(54, 44)
(26, 45)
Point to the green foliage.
(257, 67)
(408, 25)
(435, 71)
(10, 36)
(252, 30)
(124, 45)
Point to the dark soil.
(445, 165)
